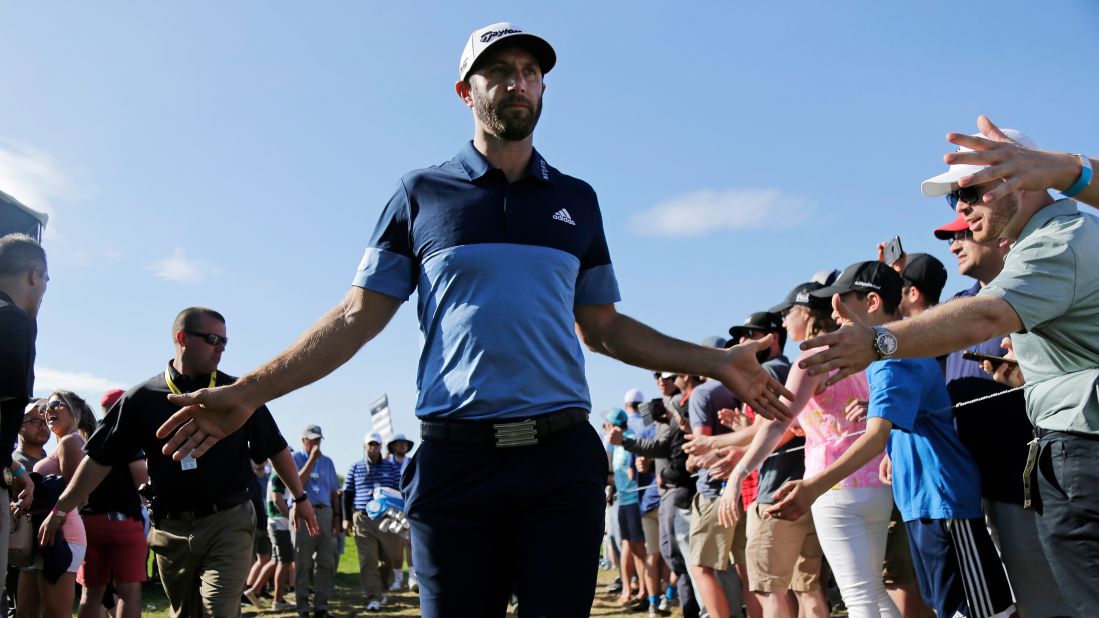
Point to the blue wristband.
(20, 471)
(1083, 181)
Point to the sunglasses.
(56, 404)
(209, 338)
(960, 235)
(35, 421)
(967, 195)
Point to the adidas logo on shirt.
(563, 215)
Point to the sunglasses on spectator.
(209, 338)
(960, 235)
(967, 195)
(56, 404)
(34, 421)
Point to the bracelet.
(20, 471)
(1083, 181)
(302, 498)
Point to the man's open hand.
(207, 415)
(749, 381)
(850, 349)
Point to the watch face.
(9, 477)
(887, 344)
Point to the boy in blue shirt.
(936, 485)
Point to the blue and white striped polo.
(498, 268)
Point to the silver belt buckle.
(524, 433)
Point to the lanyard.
(175, 389)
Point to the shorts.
(897, 567)
(629, 522)
(116, 551)
(958, 568)
(740, 538)
(710, 541)
(261, 544)
(282, 545)
(78, 552)
(650, 525)
(782, 555)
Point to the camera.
(654, 409)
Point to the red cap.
(946, 231)
(111, 397)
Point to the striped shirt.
(363, 476)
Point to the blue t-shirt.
(498, 268)
(322, 481)
(621, 462)
(934, 476)
(650, 496)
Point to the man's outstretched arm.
(619, 336)
(946, 328)
(211, 414)
(89, 474)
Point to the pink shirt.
(73, 527)
(824, 422)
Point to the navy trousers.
(488, 521)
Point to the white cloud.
(32, 177)
(89, 386)
(178, 268)
(704, 212)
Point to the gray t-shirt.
(28, 460)
(1051, 280)
(786, 464)
(705, 400)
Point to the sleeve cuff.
(597, 286)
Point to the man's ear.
(180, 337)
(873, 302)
(463, 90)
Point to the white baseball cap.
(373, 437)
(483, 39)
(634, 396)
(938, 186)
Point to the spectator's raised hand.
(698, 444)
(749, 381)
(1019, 167)
(856, 410)
(850, 348)
(733, 419)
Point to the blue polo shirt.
(498, 268)
(934, 476)
(322, 481)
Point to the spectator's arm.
(280, 502)
(139, 472)
(69, 455)
(1019, 167)
(655, 448)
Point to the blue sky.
(237, 155)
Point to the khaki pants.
(375, 547)
(310, 550)
(204, 562)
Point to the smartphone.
(995, 360)
(893, 251)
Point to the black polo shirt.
(222, 473)
(116, 494)
(17, 332)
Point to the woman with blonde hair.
(71, 421)
(852, 518)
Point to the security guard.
(202, 517)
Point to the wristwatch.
(885, 343)
(302, 498)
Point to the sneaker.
(664, 605)
(413, 581)
(396, 585)
(374, 606)
(254, 599)
(615, 586)
(281, 606)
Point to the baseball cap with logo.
(760, 321)
(508, 34)
(947, 231)
(938, 186)
(799, 296)
(312, 432)
(866, 277)
(926, 272)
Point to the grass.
(346, 600)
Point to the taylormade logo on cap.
(492, 34)
(483, 38)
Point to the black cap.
(926, 272)
(762, 321)
(866, 277)
(799, 296)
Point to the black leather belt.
(201, 511)
(527, 432)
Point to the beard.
(505, 123)
(997, 217)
